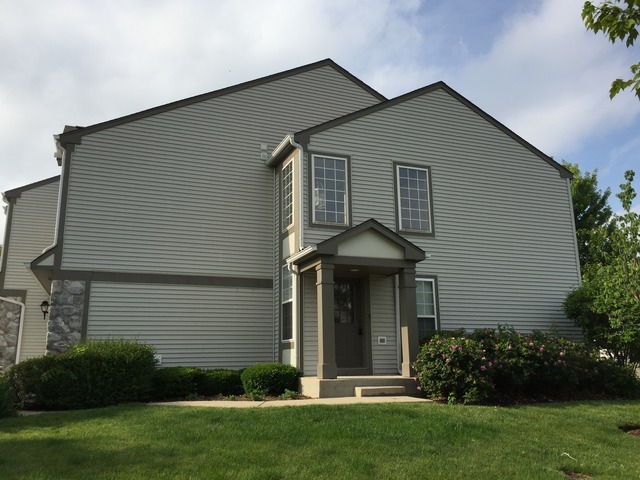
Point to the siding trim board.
(303, 137)
(75, 136)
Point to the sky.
(531, 64)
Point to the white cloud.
(532, 65)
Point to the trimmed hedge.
(6, 397)
(174, 383)
(91, 374)
(220, 382)
(270, 379)
(503, 366)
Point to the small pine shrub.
(270, 379)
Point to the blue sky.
(530, 64)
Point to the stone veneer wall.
(64, 328)
(9, 328)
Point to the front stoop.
(358, 386)
(389, 390)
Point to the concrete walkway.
(293, 403)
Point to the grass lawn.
(392, 441)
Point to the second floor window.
(414, 206)
(287, 195)
(330, 195)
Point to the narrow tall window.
(287, 304)
(414, 209)
(426, 306)
(330, 195)
(287, 195)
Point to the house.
(31, 220)
(304, 218)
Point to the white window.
(287, 195)
(330, 195)
(426, 306)
(287, 304)
(414, 209)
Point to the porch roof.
(369, 245)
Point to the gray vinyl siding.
(185, 191)
(310, 326)
(276, 261)
(383, 323)
(188, 325)
(32, 230)
(504, 248)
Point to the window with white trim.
(287, 304)
(426, 306)
(287, 195)
(330, 190)
(413, 204)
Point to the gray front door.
(349, 326)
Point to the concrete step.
(379, 391)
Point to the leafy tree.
(591, 210)
(618, 20)
(611, 286)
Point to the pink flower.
(419, 388)
(483, 368)
(542, 349)
(509, 347)
(447, 360)
(562, 354)
(490, 364)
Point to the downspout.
(298, 296)
(60, 150)
(301, 190)
(22, 310)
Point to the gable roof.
(74, 135)
(17, 192)
(329, 246)
(303, 136)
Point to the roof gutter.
(20, 325)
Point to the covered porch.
(358, 323)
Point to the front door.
(349, 326)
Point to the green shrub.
(90, 374)
(7, 408)
(454, 369)
(26, 380)
(220, 382)
(172, 383)
(596, 327)
(270, 379)
(504, 366)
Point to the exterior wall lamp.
(44, 306)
